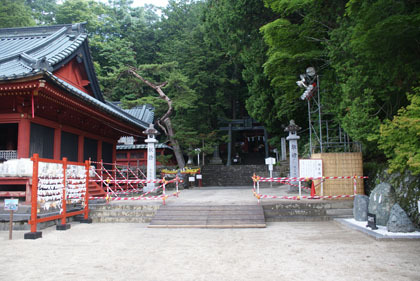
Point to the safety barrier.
(186, 171)
(59, 190)
(287, 180)
(145, 196)
(117, 184)
(118, 179)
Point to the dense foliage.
(227, 59)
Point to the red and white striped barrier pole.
(164, 191)
(176, 185)
(355, 185)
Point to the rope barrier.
(129, 181)
(263, 196)
(285, 180)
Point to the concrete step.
(217, 216)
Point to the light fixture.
(310, 71)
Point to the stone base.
(88, 220)
(216, 161)
(33, 235)
(63, 226)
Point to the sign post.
(11, 205)
(270, 161)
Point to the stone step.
(194, 216)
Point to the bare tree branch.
(164, 122)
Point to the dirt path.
(282, 251)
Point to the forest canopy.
(227, 59)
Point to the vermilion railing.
(55, 184)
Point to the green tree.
(90, 11)
(296, 40)
(173, 89)
(182, 39)
(14, 13)
(375, 55)
(400, 138)
(43, 10)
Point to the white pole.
(300, 188)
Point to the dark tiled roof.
(145, 112)
(142, 112)
(28, 51)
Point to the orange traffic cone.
(313, 193)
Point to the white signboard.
(310, 168)
(199, 177)
(191, 178)
(270, 161)
(11, 204)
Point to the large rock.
(381, 201)
(360, 207)
(399, 221)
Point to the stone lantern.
(293, 152)
(151, 141)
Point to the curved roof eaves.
(98, 104)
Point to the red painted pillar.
(24, 136)
(34, 195)
(64, 201)
(81, 149)
(57, 143)
(86, 213)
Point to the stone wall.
(237, 175)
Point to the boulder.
(360, 207)
(381, 201)
(399, 221)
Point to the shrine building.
(50, 100)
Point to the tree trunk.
(175, 145)
(167, 125)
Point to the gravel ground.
(282, 251)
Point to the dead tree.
(164, 122)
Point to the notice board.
(310, 168)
